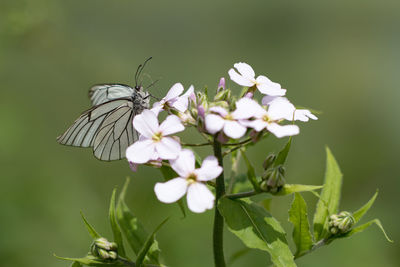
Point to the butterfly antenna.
(156, 98)
(136, 74)
(153, 83)
(141, 69)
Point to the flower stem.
(219, 259)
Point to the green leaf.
(251, 174)
(360, 213)
(90, 228)
(76, 264)
(257, 229)
(147, 245)
(168, 174)
(238, 254)
(301, 232)
(364, 226)
(295, 188)
(90, 260)
(329, 202)
(131, 227)
(115, 226)
(282, 155)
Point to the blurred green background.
(341, 57)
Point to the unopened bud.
(273, 179)
(341, 223)
(104, 249)
(223, 95)
(221, 84)
(269, 161)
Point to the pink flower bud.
(221, 84)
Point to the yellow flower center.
(157, 137)
(192, 178)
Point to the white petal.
(209, 169)
(181, 104)
(234, 129)
(146, 123)
(281, 108)
(283, 130)
(266, 86)
(171, 190)
(220, 110)
(304, 115)
(168, 148)
(185, 163)
(247, 108)
(266, 100)
(174, 92)
(199, 198)
(257, 124)
(157, 107)
(141, 151)
(172, 124)
(214, 123)
(239, 79)
(246, 70)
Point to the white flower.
(291, 112)
(154, 142)
(190, 181)
(247, 77)
(269, 120)
(228, 122)
(174, 99)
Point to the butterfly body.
(107, 126)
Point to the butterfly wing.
(106, 127)
(102, 93)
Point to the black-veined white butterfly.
(107, 126)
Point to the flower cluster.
(225, 118)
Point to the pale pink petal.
(257, 124)
(247, 108)
(246, 70)
(209, 169)
(140, 151)
(221, 84)
(266, 86)
(283, 130)
(174, 92)
(199, 198)
(220, 110)
(171, 190)
(281, 108)
(146, 123)
(214, 123)
(234, 129)
(181, 104)
(157, 107)
(185, 163)
(239, 79)
(304, 115)
(172, 124)
(168, 148)
(266, 100)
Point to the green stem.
(218, 247)
(243, 194)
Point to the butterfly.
(107, 125)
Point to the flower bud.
(341, 223)
(223, 95)
(221, 84)
(104, 249)
(269, 161)
(273, 179)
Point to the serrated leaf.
(282, 155)
(288, 189)
(330, 196)
(147, 245)
(360, 213)
(115, 226)
(133, 230)
(257, 229)
(90, 228)
(168, 174)
(301, 232)
(251, 174)
(90, 260)
(364, 226)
